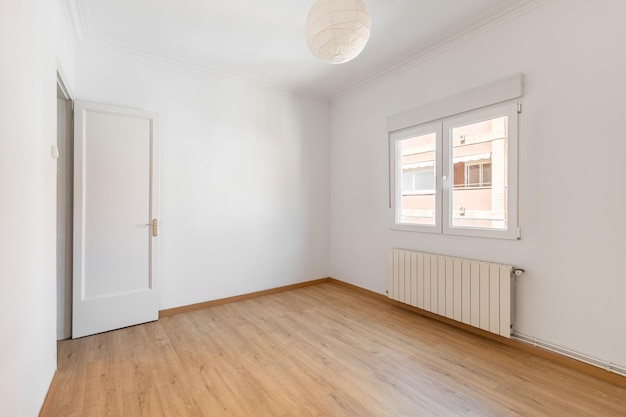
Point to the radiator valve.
(518, 271)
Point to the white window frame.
(511, 111)
(396, 175)
(491, 101)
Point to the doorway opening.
(65, 196)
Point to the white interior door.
(115, 205)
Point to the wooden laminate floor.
(323, 350)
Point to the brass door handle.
(155, 227)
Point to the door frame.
(64, 284)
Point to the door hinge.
(519, 108)
(519, 233)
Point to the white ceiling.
(263, 40)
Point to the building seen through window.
(418, 181)
(478, 176)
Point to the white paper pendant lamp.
(337, 30)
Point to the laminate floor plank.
(323, 350)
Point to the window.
(472, 175)
(417, 153)
(458, 175)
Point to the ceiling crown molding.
(146, 54)
(508, 12)
(67, 17)
(79, 21)
(77, 18)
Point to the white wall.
(572, 178)
(27, 190)
(244, 175)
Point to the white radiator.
(473, 292)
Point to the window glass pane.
(473, 175)
(486, 181)
(417, 180)
(478, 200)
